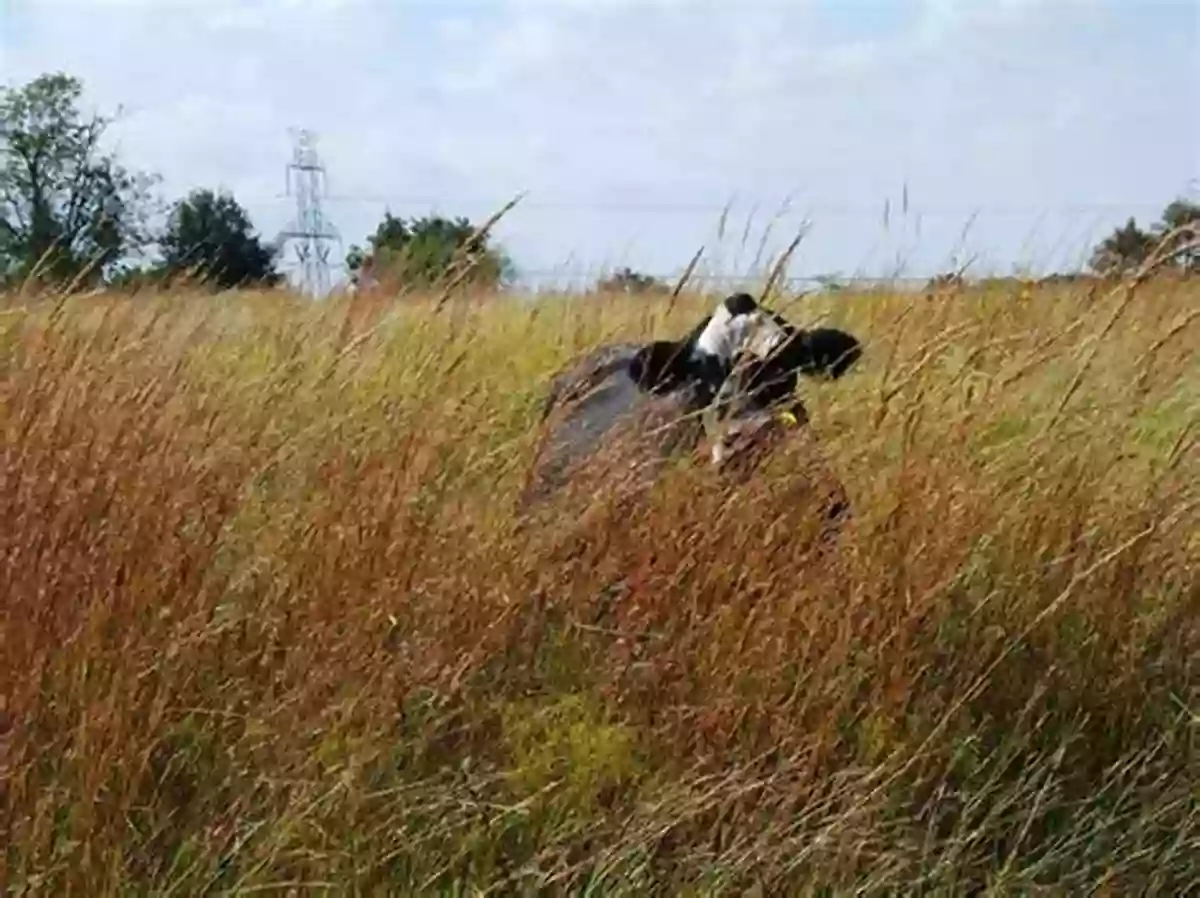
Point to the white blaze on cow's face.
(765, 336)
(730, 336)
(727, 335)
(724, 334)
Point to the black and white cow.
(615, 416)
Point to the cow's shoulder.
(574, 381)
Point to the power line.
(311, 232)
(553, 274)
(768, 209)
(572, 277)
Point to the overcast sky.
(1023, 129)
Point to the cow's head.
(763, 356)
(740, 367)
(690, 371)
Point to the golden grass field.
(268, 628)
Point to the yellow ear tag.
(788, 417)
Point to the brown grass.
(267, 624)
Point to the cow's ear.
(823, 352)
(661, 366)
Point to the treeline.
(72, 213)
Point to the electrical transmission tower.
(311, 232)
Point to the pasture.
(267, 625)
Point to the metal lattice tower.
(312, 234)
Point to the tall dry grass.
(268, 626)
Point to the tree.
(67, 209)
(1124, 250)
(626, 280)
(211, 233)
(1129, 247)
(423, 251)
(1181, 214)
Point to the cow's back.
(601, 433)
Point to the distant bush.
(626, 280)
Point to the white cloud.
(1017, 108)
